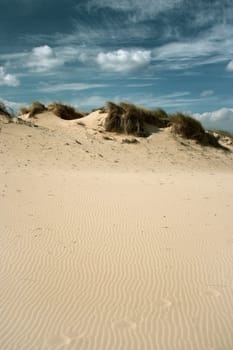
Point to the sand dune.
(109, 245)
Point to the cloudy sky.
(173, 54)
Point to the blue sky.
(173, 54)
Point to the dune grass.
(35, 108)
(128, 118)
(64, 111)
(190, 128)
(187, 127)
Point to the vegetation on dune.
(130, 119)
(187, 126)
(24, 110)
(127, 118)
(64, 111)
(35, 108)
(113, 121)
(190, 128)
(157, 117)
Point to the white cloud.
(71, 87)
(185, 50)
(219, 119)
(138, 9)
(139, 85)
(43, 58)
(71, 53)
(229, 67)
(13, 56)
(178, 100)
(8, 79)
(94, 101)
(214, 47)
(123, 60)
(207, 93)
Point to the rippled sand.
(97, 254)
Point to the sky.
(170, 54)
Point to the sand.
(107, 245)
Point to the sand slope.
(105, 245)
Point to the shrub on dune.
(157, 117)
(64, 111)
(211, 140)
(113, 121)
(130, 119)
(24, 110)
(133, 121)
(187, 127)
(190, 128)
(35, 108)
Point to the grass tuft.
(64, 111)
(35, 108)
(190, 128)
(130, 119)
(24, 110)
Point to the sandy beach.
(112, 242)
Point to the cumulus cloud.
(207, 93)
(43, 58)
(229, 67)
(123, 60)
(219, 119)
(8, 79)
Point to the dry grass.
(64, 111)
(113, 121)
(24, 110)
(130, 119)
(187, 127)
(190, 128)
(35, 108)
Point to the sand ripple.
(113, 262)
